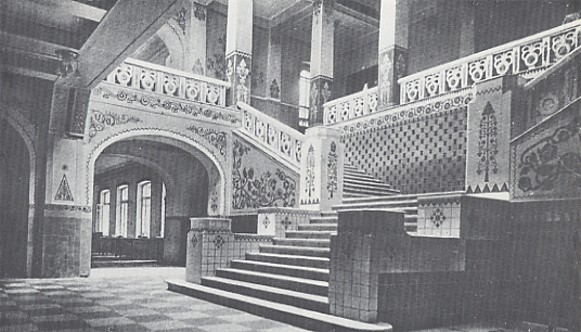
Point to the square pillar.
(239, 49)
(207, 234)
(393, 44)
(322, 55)
(321, 169)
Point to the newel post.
(321, 169)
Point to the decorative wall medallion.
(192, 109)
(438, 217)
(219, 241)
(252, 191)
(198, 67)
(266, 222)
(181, 19)
(332, 170)
(274, 89)
(286, 223)
(199, 11)
(99, 121)
(64, 191)
(216, 138)
(548, 104)
(310, 176)
(194, 240)
(543, 163)
(487, 143)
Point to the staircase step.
(387, 203)
(302, 285)
(293, 250)
(284, 296)
(306, 261)
(323, 220)
(318, 243)
(370, 192)
(318, 227)
(358, 183)
(308, 234)
(303, 318)
(282, 269)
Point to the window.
(304, 97)
(143, 222)
(122, 210)
(163, 197)
(104, 212)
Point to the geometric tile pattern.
(116, 304)
(425, 154)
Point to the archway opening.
(14, 201)
(144, 192)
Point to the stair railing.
(276, 137)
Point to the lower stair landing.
(303, 318)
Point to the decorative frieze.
(217, 139)
(101, 120)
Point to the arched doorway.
(145, 190)
(15, 179)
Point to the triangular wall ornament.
(64, 192)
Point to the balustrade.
(525, 56)
(284, 141)
(169, 82)
(351, 106)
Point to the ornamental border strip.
(405, 116)
(190, 109)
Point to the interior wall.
(14, 200)
(130, 175)
(216, 44)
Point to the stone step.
(318, 227)
(289, 314)
(354, 183)
(323, 220)
(361, 178)
(318, 243)
(386, 203)
(279, 295)
(293, 250)
(316, 287)
(281, 269)
(308, 234)
(306, 261)
(370, 192)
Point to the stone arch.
(27, 133)
(170, 34)
(215, 169)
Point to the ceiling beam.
(30, 45)
(128, 25)
(77, 9)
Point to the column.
(393, 44)
(321, 169)
(195, 59)
(239, 49)
(322, 54)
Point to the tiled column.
(488, 136)
(321, 169)
(322, 54)
(195, 59)
(239, 49)
(207, 247)
(393, 44)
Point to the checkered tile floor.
(117, 300)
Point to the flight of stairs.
(357, 184)
(287, 280)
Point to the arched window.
(122, 210)
(304, 97)
(104, 212)
(143, 222)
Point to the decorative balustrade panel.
(152, 78)
(352, 106)
(277, 137)
(524, 56)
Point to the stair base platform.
(307, 319)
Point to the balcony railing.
(282, 140)
(170, 82)
(351, 106)
(525, 56)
